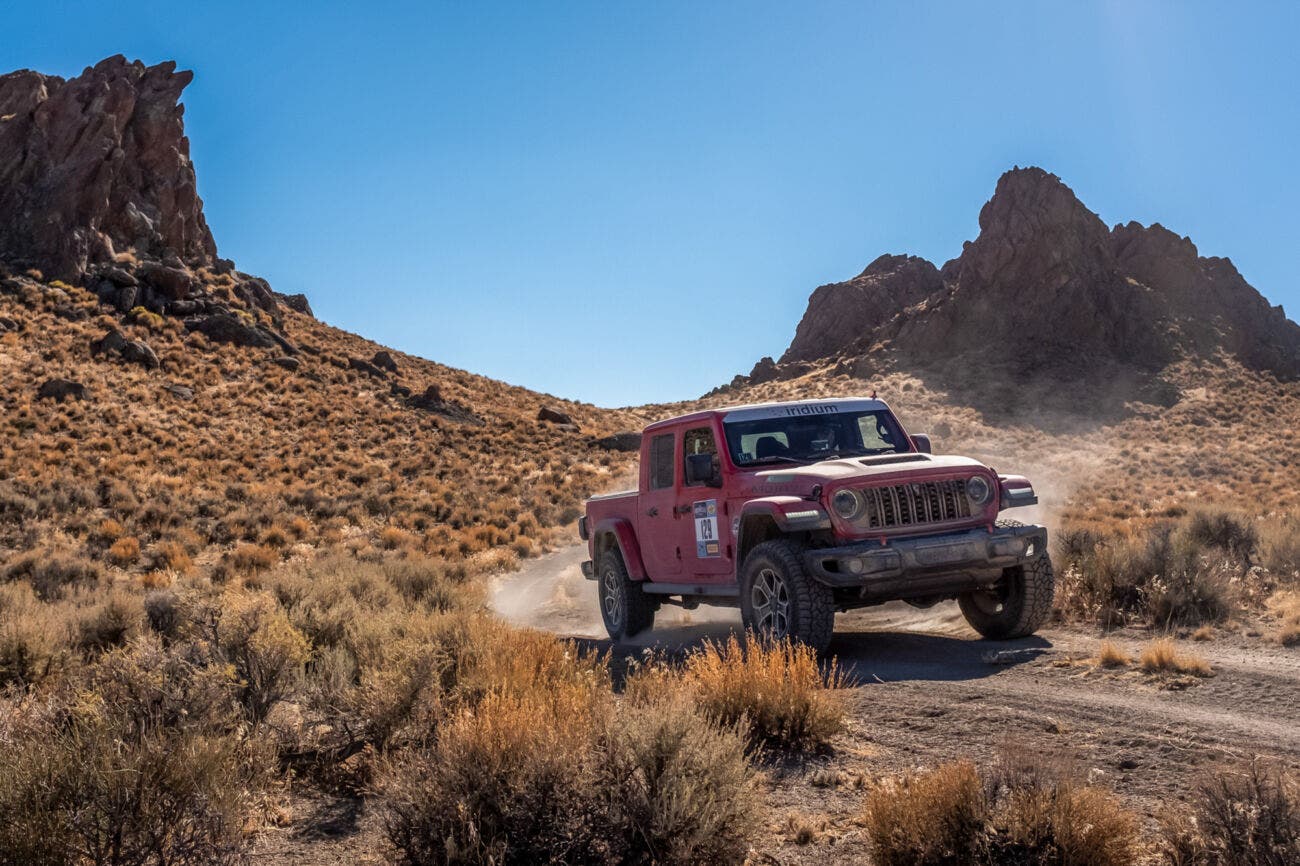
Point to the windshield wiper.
(775, 458)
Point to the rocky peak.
(840, 314)
(1046, 291)
(97, 166)
(1035, 235)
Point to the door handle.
(683, 509)
(653, 512)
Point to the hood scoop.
(890, 459)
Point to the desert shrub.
(253, 558)
(1165, 574)
(1250, 818)
(50, 573)
(429, 582)
(778, 690)
(503, 784)
(34, 636)
(564, 776)
(1230, 531)
(172, 556)
(124, 552)
(267, 652)
(1279, 544)
(112, 621)
(145, 767)
(680, 787)
(1018, 812)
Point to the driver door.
(703, 530)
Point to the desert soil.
(925, 689)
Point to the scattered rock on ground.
(628, 441)
(7, 324)
(181, 392)
(228, 328)
(287, 362)
(384, 361)
(431, 401)
(61, 389)
(551, 415)
(132, 351)
(363, 366)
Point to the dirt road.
(929, 690)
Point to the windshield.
(806, 440)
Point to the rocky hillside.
(163, 411)
(1045, 292)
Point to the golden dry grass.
(1285, 606)
(1162, 656)
(1112, 655)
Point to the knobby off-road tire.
(778, 599)
(1018, 606)
(625, 608)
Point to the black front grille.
(915, 503)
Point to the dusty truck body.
(793, 511)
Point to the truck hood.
(843, 468)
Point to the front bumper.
(926, 566)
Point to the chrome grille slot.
(916, 503)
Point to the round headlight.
(978, 489)
(847, 504)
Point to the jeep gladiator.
(793, 511)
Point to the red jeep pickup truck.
(794, 511)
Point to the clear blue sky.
(627, 202)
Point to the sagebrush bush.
(1017, 812)
(1250, 818)
(146, 765)
(1167, 574)
(52, 573)
(563, 775)
(35, 636)
(267, 652)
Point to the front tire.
(779, 601)
(624, 606)
(1018, 606)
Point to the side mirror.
(699, 471)
(922, 441)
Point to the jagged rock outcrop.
(1045, 290)
(839, 314)
(98, 165)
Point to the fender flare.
(786, 513)
(624, 537)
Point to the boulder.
(288, 363)
(97, 164)
(119, 276)
(60, 390)
(111, 343)
(431, 400)
(298, 303)
(7, 325)
(229, 328)
(628, 441)
(138, 352)
(171, 283)
(363, 366)
(765, 370)
(384, 361)
(551, 415)
(126, 298)
(180, 392)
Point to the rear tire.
(778, 600)
(624, 606)
(1018, 606)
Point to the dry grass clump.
(124, 552)
(1237, 819)
(1015, 813)
(1163, 656)
(780, 692)
(1112, 655)
(1285, 606)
